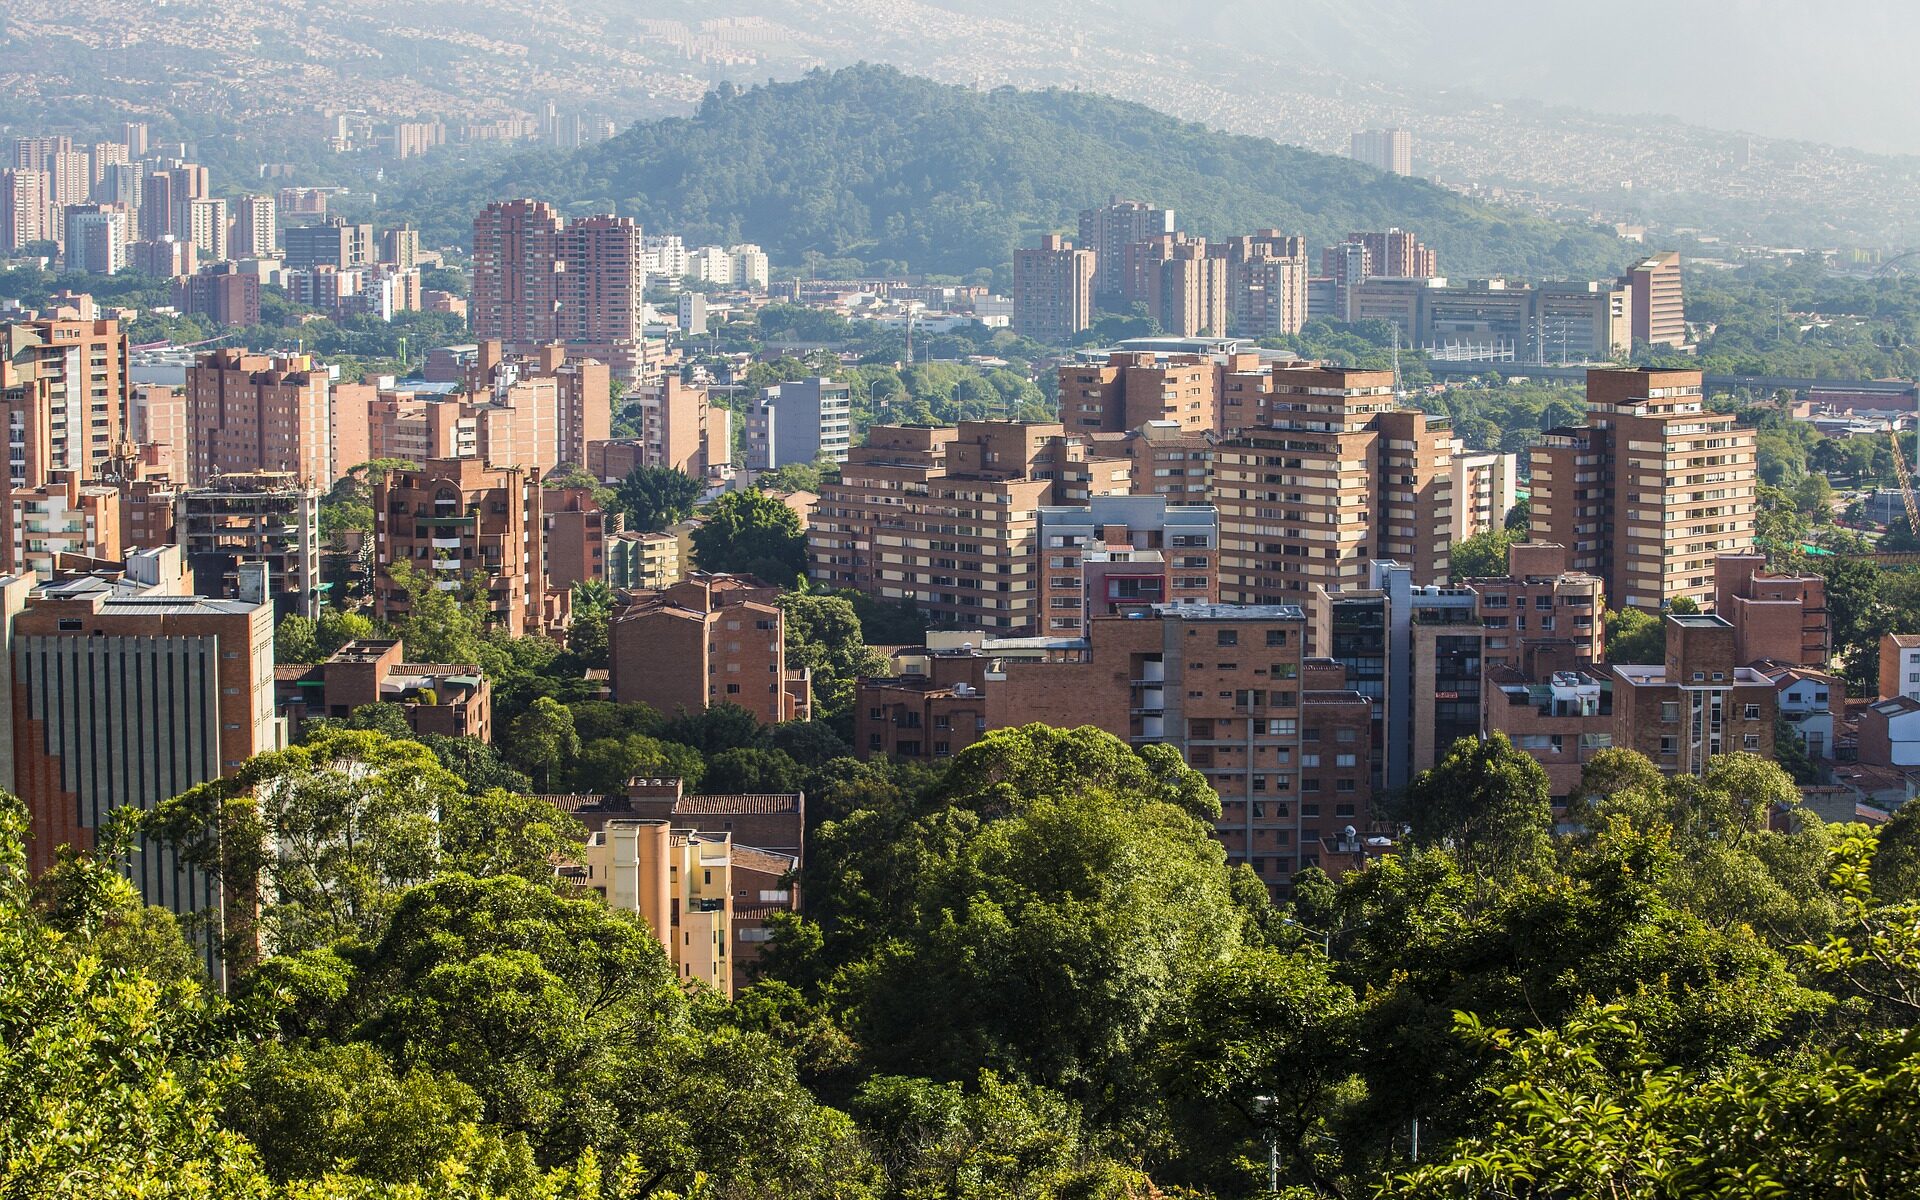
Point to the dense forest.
(903, 174)
(1030, 974)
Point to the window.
(1343, 785)
(1344, 735)
(1750, 742)
(1668, 745)
(1228, 637)
(733, 689)
(1669, 710)
(1309, 760)
(1345, 760)
(1753, 712)
(876, 713)
(1278, 637)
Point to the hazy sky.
(1838, 71)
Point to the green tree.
(1493, 803)
(751, 533)
(543, 738)
(753, 771)
(1520, 517)
(824, 634)
(439, 626)
(1634, 636)
(1484, 555)
(336, 628)
(295, 640)
(656, 497)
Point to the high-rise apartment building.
(680, 881)
(1052, 289)
(539, 279)
(253, 518)
(334, 242)
(63, 396)
(1133, 388)
(1121, 554)
(71, 176)
(1225, 685)
(948, 518)
(206, 227)
(256, 232)
(680, 429)
(1266, 282)
(255, 412)
(1108, 231)
(1651, 490)
(1397, 254)
(401, 247)
(222, 293)
(37, 153)
(461, 522)
(1485, 487)
(1388, 150)
(707, 640)
(97, 238)
(1182, 283)
(1337, 477)
(1659, 303)
(25, 208)
(800, 422)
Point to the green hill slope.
(872, 164)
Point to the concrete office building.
(1651, 490)
(333, 242)
(1415, 652)
(800, 423)
(122, 697)
(1052, 289)
(270, 518)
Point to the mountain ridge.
(872, 164)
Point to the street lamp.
(1326, 939)
(1263, 1104)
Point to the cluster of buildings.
(117, 206)
(1130, 253)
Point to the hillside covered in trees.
(902, 173)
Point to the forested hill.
(871, 164)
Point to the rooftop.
(1233, 612)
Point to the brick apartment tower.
(1108, 231)
(459, 520)
(1052, 289)
(540, 279)
(1651, 490)
(1338, 477)
(254, 412)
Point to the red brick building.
(927, 717)
(449, 700)
(1542, 616)
(1781, 617)
(459, 520)
(709, 639)
(576, 537)
(255, 412)
(1698, 704)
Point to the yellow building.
(680, 881)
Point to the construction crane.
(1906, 485)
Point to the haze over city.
(934, 600)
